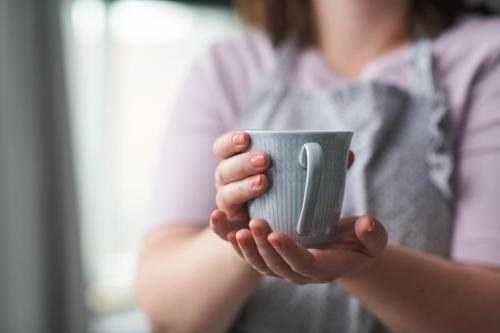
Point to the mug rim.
(251, 131)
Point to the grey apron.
(402, 175)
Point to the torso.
(459, 52)
(402, 140)
(243, 65)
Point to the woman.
(419, 84)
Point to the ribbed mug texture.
(282, 203)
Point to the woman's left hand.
(355, 246)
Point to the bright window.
(126, 61)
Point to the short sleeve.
(183, 190)
(476, 236)
(208, 104)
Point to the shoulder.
(470, 36)
(232, 66)
(468, 55)
(473, 40)
(252, 51)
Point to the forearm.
(194, 285)
(415, 292)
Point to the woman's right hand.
(239, 177)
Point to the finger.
(230, 197)
(345, 225)
(219, 224)
(231, 236)
(241, 166)
(260, 231)
(350, 159)
(371, 234)
(294, 254)
(250, 252)
(230, 143)
(239, 219)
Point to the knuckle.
(226, 200)
(223, 144)
(219, 176)
(238, 193)
(220, 200)
(241, 166)
(278, 268)
(218, 146)
(232, 213)
(253, 258)
(215, 149)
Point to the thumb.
(371, 234)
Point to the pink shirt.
(467, 64)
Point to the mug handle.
(311, 159)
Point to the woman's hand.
(354, 247)
(239, 177)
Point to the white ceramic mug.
(306, 182)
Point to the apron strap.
(440, 130)
(422, 72)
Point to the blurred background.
(85, 89)
(126, 59)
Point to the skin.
(181, 289)
(407, 290)
(445, 296)
(352, 33)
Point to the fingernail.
(276, 243)
(257, 232)
(258, 161)
(238, 139)
(244, 241)
(371, 224)
(255, 181)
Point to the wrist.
(367, 271)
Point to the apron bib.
(402, 175)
